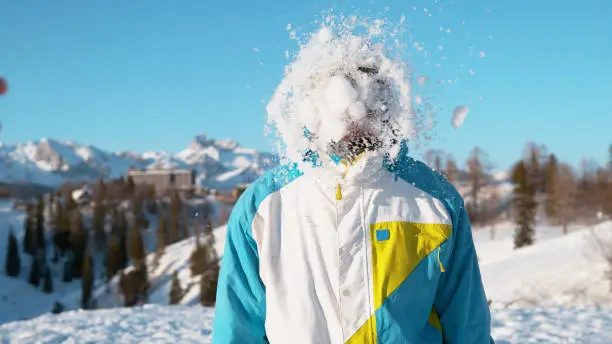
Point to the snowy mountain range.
(219, 164)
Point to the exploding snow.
(459, 115)
(340, 81)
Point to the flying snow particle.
(414, 8)
(422, 80)
(459, 115)
(471, 72)
(417, 99)
(481, 54)
(256, 50)
(288, 27)
(287, 54)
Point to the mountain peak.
(202, 141)
(50, 162)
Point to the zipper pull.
(338, 192)
(440, 261)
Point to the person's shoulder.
(268, 183)
(426, 179)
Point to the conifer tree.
(552, 189)
(525, 206)
(29, 230)
(161, 238)
(40, 227)
(210, 276)
(137, 249)
(87, 280)
(198, 260)
(137, 207)
(47, 281)
(175, 213)
(67, 271)
(123, 242)
(78, 238)
(113, 257)
(34, 272)
(61, 228)
(208, 287)
(138, 278)
(534, 168)
(13, 261)
(176, 291)
(99, 216)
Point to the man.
(362, 248)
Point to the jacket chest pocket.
(398, 247)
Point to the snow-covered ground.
(19, 300)
(552, 292)
(148, 324)
(184, 324)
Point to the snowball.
(339, 94)
(324, 35)
(334, 82)
(422, 80)
(459, 115)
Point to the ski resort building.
(165, 180)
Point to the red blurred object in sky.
(3, 86)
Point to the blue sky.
(149, 75)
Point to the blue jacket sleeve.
(240, 306)
(461, 303)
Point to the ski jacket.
(376, 251)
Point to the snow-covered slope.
(184, 324)
(566, 269)
(19, 300)
(175, 258)
(552, 292)
(148, 324)
(50, 162)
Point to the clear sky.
(149, 75)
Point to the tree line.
(72, 238)
(543, 187)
